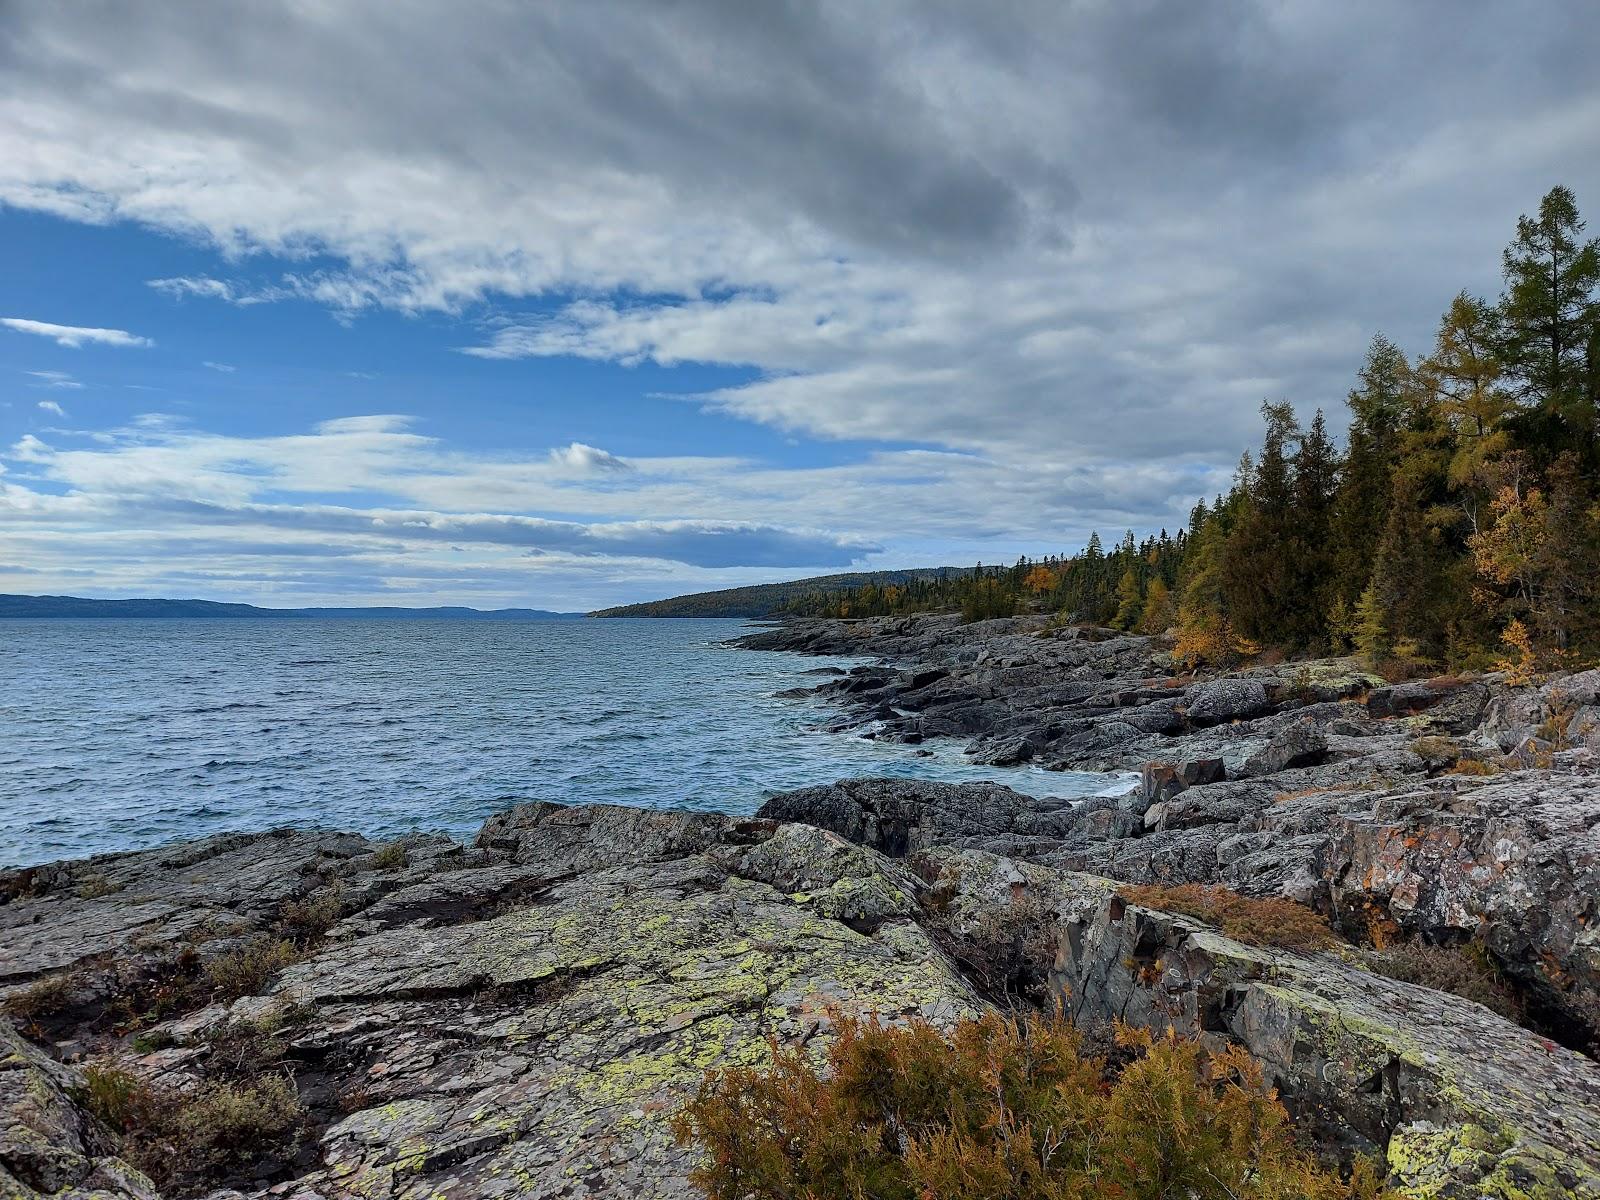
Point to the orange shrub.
(1003, 1109)
(1272, 922)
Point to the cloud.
(1033, 269)
(184, 484)
(74, 336)
(578, 457)
(55, 379)
(50, 406)
(222, 367)
(1090, 231)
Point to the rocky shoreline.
(519, 1016)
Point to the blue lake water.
(123, 734)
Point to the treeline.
(1458, 525)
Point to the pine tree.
(1259, 578)
(1310, 551)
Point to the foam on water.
(122, 734)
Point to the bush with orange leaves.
(1005, 1109)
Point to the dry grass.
(390, 857)
(1274, 922)
(306, 921)
(43, 998)
(248, 969)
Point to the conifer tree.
(1378, 407)
(1259, 578)
(1548, 316)
(1129, 601)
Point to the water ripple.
(119, 734)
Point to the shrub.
(1008, 1108)
(306, 921)
(248, 969)
(94, 886)
(390, 857)
(118, 1097)
(224, 1126)
(43, 998)
(1474, 766)
(1465, 971)
(186, 1141)
(1272, 922)
(250, 1048)
(1436, 751)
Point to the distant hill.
(78, 606)
(765, 599)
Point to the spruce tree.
(1378, 406)
(1548, 316)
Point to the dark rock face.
(897, 816)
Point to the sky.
(576, 303)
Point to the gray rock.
(1225, 700)
(1458, 1100)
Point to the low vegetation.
(1003, 1108)
(1275, 922)
(187, 1142)
(1465, 971)
(390, 857)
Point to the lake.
(123, 734)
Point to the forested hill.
(1458, 524)
(769, 599)
(79, 606)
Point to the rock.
(1160, 781)
(1458, 1100)
(897, 816)
(1400, 698)
(48, 1145)
(1226, 700)
(526, 1023)
(1514, 861)
(1301, 745)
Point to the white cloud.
(222, 367)
(55, 379)
(1076, 244)
(50, 406)
(1089, 231)
(582, 458)
(74, 336)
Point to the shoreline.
(525, 1010)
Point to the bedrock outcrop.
(521, 1016)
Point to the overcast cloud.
(1067, 248)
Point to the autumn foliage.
(1272, 921)
(1004, 1109)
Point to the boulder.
(1300, 745)
(1160, 781)
(1226, 700)
(49, 1146)
(1513, 861)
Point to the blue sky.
(573, 304)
